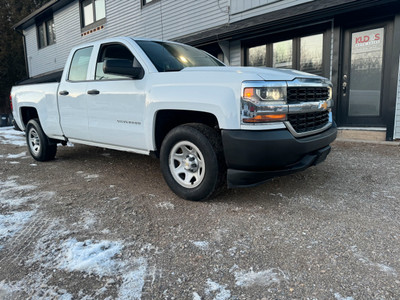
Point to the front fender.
(222, 102)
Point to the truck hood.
(263, 72)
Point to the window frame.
(47, 41)
(95, 23)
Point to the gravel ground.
(101, 224)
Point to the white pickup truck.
(208, 123)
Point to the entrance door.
(361, 92)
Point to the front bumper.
(253, 157)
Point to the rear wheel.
(192, 161)
(39, 144)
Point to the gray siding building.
(355, 43)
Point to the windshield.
(169, 57)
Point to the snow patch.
(165, 205)
(196, 296)
(13, 222)
(133, 281)
(203, 245)
(91, 176)
(89, 256)
(10, 136)
(14, 156)
(340, 297)
(88, 219)
(263, 278)
(388, 270)
(11, 186)
(35, 286)
(220, 291)
(232, 251)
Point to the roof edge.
(29, 20)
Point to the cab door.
(72, 97)
(116, 103)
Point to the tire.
(192, 161)
(39, 145)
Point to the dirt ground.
(102, 224)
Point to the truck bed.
(47, 78)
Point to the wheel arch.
(28, 113)
(166, 120)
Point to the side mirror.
(122, 67)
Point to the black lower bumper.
(253, 157)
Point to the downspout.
(25, 51)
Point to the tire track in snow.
(22, 240)
(30, 238)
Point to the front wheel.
(192, 161)
(39, 144)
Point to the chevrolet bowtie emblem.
(324, 105)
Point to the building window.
(311, 52)
(93, 12)
(282, 54)
(145, 2)
(46, 34)
(301, 53)
(257, 56)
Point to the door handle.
(344, 85)
(93, 92)
(63, 93)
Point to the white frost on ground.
(196, 296)
(263, 278)
(11, 186)
(91, 176)
(96, 258)
(202, 245)
(89, 256)
(88, 219)
(14, 156)
(165, 205)
(220, 291)
(36, 286)
(8, 135)
(12, 223)
(388, 270)
(11, 220)
(133, 281)
(340, 297)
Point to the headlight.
(264, 101)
